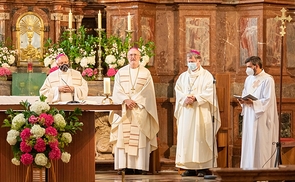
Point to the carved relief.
(103, 148)
(248, 39)
(198, 37)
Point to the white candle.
(70, 19)
(129, 22)
(107, 85)
(99, 20)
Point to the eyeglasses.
(135, 55)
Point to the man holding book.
(260, 117)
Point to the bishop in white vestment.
(134, 134)
(260, 118)
(195, 108)
(64, 84)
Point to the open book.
(249, 96)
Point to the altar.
(82, 164)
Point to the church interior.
(225, 32)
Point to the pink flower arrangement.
(111, 72)
(89, 74)
(39, 133)
(4, 71)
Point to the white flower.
(39, 107)
(41, 159)
(110, 59)
(5, 65)
(11, 59)
(121, 62)
(77, 60)
(145, 60)
(91, 60)
(11, 137)
(37, 131)
(59, 120)
(18, 121)
(15, 161)
(113, 66)
(67, 137)
(65, 157)
(48, 61)
(84, 62)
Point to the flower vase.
(3, 78)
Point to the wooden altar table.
(81, 167)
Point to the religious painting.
(248, 38)
(147, 29)
(197, 31)
(273, 43)
(30, 31)
(119, 26)
(290, 44)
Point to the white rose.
(41, 159)
(5, 65)
(65, 157)
(145, 60)
(37, 131)
(77, 60)
(11, 59)
(15, 161)
(11, 136)
(18, 121)
(121, 62)
(91, 60)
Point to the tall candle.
(99, 20)
(107, 85)
(70, 19)
(129, 22)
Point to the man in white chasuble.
(260, 118)
(134, 135)
(64, 84)
(196, 108)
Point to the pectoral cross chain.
(132, 90)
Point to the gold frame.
(30, 35)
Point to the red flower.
(40, 145)
(112, 72)
(26, 159)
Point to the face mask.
(192, 66)
(249, 71)
(64, 67)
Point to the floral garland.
(39, 134)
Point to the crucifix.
(283, 20)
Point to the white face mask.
(192, 66)
(249, 71)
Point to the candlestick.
(99, 20)
(129, 22)
(99, 53)
(107, 85)
(70, 19)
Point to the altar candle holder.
(99, 53)
(107, 98)
(129, 36)
(71, 31)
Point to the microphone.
(214, 80)
(73, 101)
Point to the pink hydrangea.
(40, 145)
(47, 119)
(24, 147)
(26, 159)
(112, 72)
(25, 134)
(55, 153)
(53, 144)
(33, 119)
(4, 71)
(88, 72)
(51, 131)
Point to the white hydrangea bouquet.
(39, 134)
(7, 56)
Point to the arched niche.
(30, 35)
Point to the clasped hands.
(130, 104)
(190, 99)
(66, 89)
